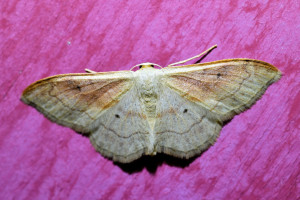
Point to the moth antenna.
(134, 67)
(157, 65)
(192, 58)
(89, 71)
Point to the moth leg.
(204, 54)
(90, 71)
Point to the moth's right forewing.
(226, 87)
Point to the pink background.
(257, 153)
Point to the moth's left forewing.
(77, 100)
(225, 87)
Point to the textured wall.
(257, 153)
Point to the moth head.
(146, 65)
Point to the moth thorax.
(149, 99)
(148, 90)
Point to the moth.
(178, 110)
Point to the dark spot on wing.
(185, 110)
(117, 116)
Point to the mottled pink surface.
(257, 153)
